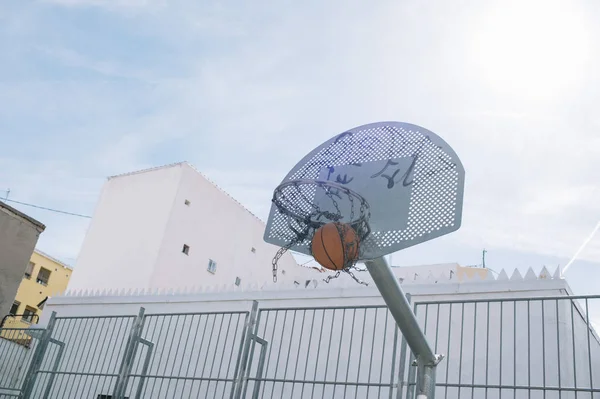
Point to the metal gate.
(148, 356)
(518, 348)
(17, 351)
(341, 352)
(541, 347)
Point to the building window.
(186, 249)
(28, 314)
(14, 308)
(212, 266)
(43, 276)
(29, 270)
(238, 281)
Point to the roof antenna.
(581, 248)
(483, 258)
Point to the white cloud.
(254, 88)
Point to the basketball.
(334, 245)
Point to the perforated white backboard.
(411, 178)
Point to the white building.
(170, 228)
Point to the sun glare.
(533, 48)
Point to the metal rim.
(321, 183)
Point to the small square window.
(212, 266)
(28, 314)
(238, 281)
(14, 308)
(43, 276)
(186, 249)
(187, 202)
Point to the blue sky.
(92, 88)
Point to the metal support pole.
(38, 357)
(425, 380)
(259, 369)
(240, 377)
(58, 358)
(129, 356)
(149, 351)
(396, 301)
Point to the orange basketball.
(330, 249)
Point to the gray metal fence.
(84, 361)
(17, 349)
(517, 348)
(514, 348)
(188, 355)
(342, 352)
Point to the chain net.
(309, 204)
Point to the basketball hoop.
(306, 205)
(396, 185)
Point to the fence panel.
(83, 357)
(342, 352)
(187, 355)
(517, 348)
(17, 347)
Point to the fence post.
(425, 379)
(402, 367)
(38, 357)
(129, 355)
(241, 371)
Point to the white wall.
(141, 223)
(125, 235)
(286, 294)
(216, 227)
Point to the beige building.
(43, 278)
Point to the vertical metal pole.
(425, 380)
(38, 357)
(588, 326)
(259, 370)
(396, 301)
(146, 364)
(61, 348)
(241, 371)
(129, 355)
(394, 350)
(401, 369)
